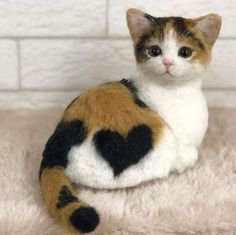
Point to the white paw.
(187, 157)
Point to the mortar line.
(18, 51)
(223, 89)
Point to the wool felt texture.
(201, 200)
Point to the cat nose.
(168, 62)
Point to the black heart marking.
(121, 152)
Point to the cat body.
(184, 123)
(123, 133)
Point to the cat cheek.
(181, 69)
(193, 71)
(160, 66)
(157, 64)
(199, 69)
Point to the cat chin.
(175, 77)
(167, 78)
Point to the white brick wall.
(51, 50)
(73, 63)
(52, 18)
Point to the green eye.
(185, 52)
(154, 51)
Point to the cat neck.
(166, 97)
(145, 83)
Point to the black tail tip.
(85, 219)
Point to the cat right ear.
(210, 26)
(137, 22)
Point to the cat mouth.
(167, 72)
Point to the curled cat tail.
(73, 214)
(56, 187)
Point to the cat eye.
(185, 52)
(154, 51)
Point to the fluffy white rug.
(199, 201)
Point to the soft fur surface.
(200, 201)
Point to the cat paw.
(187, 157)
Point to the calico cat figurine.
(123, 133)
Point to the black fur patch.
(158, 25)
(65, 197)
(151, 19)
(85, 219)
(130, 85)
(121, 152)
(140, 48)
(66, 135)
(182, 30)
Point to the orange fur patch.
(111, 106)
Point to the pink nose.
(168, 62)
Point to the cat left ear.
(137, 23)
(210, 26)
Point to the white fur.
(87, 167)
(185, 111)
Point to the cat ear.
(209, 25)
(138, 23)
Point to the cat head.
(172, 48)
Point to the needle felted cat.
(122, 133)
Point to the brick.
(74, 64)
(221, 72)
(52, 17)
(36, 99)
(8, 65)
